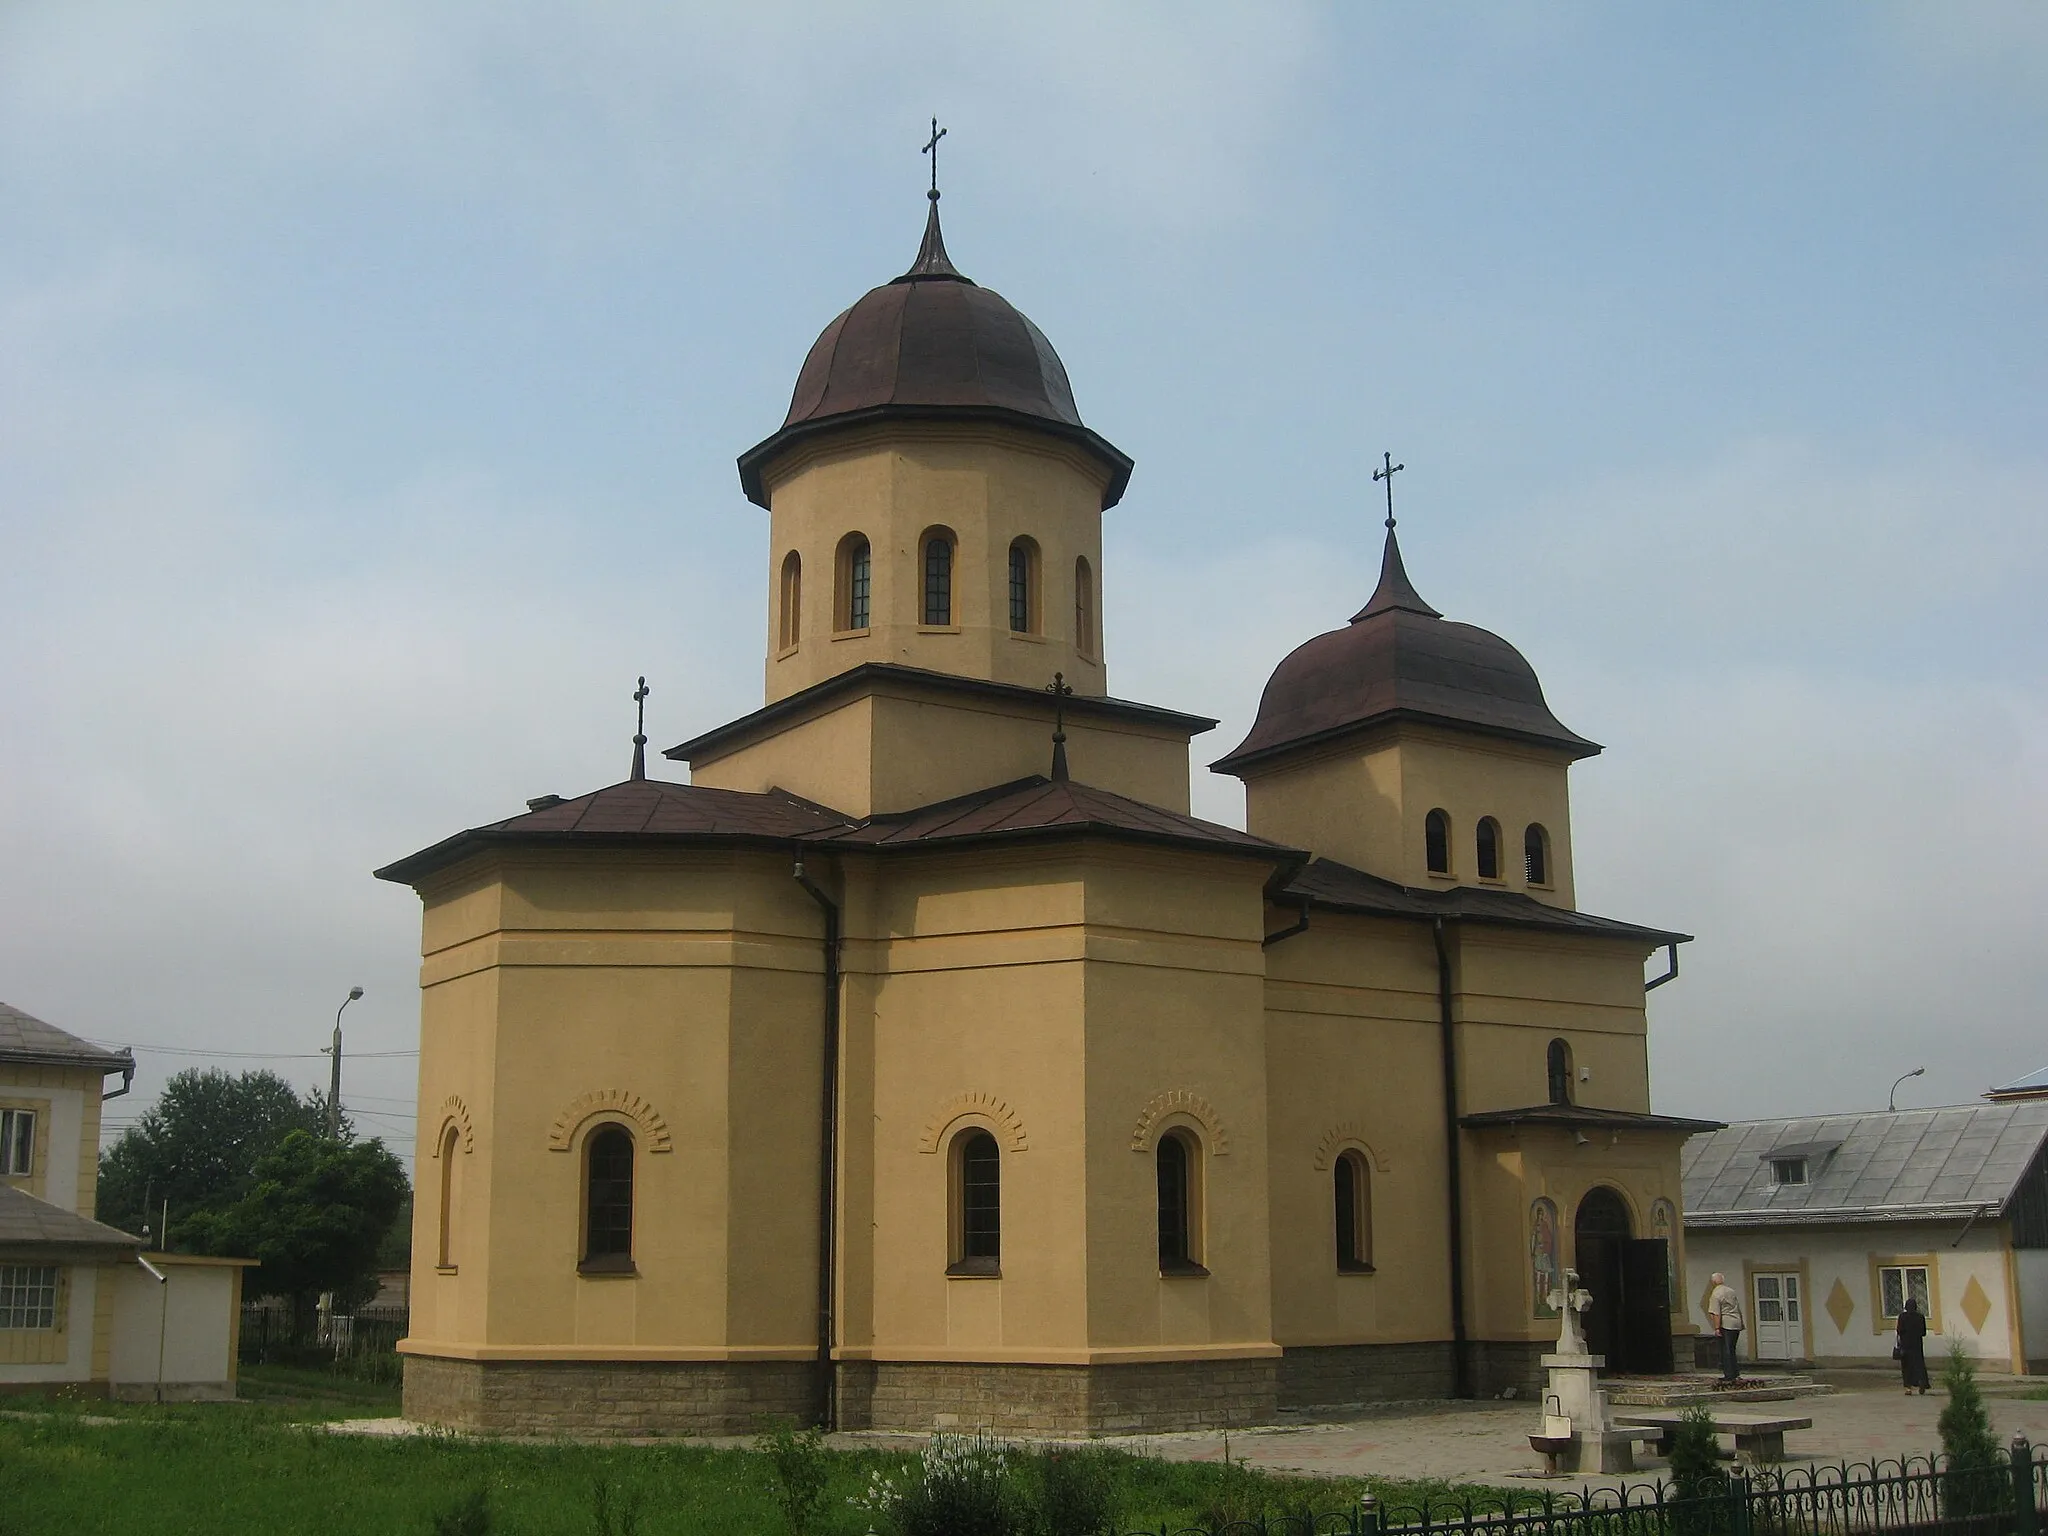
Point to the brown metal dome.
(932, 345)
(1400, 659)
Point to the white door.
(1780, 1329)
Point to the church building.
(923, 1062)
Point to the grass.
(219, 1469)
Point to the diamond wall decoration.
(1976, 1305)
(1840, 1307)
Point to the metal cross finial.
(1387, 474)
(932, 148)
(1061, 692)
(640, 731)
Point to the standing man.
(1726, 1312)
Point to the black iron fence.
(358, 1345)
(1913, 1496)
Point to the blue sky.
(371, 377)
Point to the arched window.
(1024, 587)
(789, 618)
(977, 1176)
(850, 601)
(1084, 608)
(451, 1141)
(1436, 842)
(1560, 1072)
(1536, 855)
(1180, 1172)
(1489, 848)
(1353, 1180)
(608, 1200)
(938, 577)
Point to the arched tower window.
(977, 1178)
(850, 601)
(1536, 855)
(790, 602)
(451, 1142)
(1560, 1065)
(1353, 1181)
(1024, 587)
(938, 577)
(608, 1200)
(1436, 842)
(1180, 1169)
(1489, 848)
(1084, 608)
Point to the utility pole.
(334, 1079)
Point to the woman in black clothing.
(1913, 1346)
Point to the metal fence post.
(2025, 1520)
(1739, 1521)
(1368, 1520)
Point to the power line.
(183, 1050)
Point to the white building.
(1825, 1225)
(81, 1305)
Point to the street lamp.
(1891, 1100)
(334, 1081)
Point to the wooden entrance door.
(1780, 1318)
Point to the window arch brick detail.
(456, 1113)
(1180, 1101)
(1003, 1120)
(610, 1101)
(1339, 1137)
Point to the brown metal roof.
(29, 1223)
(932, 345)
(1400, 660)
(27, 1039)
(874, 675)
(1336, 887)
(1583, 1117)
(1037, 807)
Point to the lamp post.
(1891, 1100)
(334, 1079)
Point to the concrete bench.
(1759, 1437)
(1599, 1450)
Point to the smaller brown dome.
(1400, 659)
(932, 345)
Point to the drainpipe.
(1671, 951)
(1461, 1365)
(1299, 925)
(828, 1157)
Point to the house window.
(1084, 607)
(977, 1205)
(1788, 1170)
(1353, 1181)
(789, 622)
(608, 1200)
(1560, 1065)
(28, 1296)
(938, 577)
(451, 1142)
(1023, 587)
(1179, 1161)
(1489, 848)
(850, 601)
(17, 1141)
(1536, 855)
(1436, 842)
(1895, 1282)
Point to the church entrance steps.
(1685, 1389)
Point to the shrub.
(797, 1457)
(1976, 1482)
(959, 1487)
(1699, 1491)
(469, 1515)
(1076, 1492)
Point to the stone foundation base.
(609, 1397)
(1151, 1398)
(1346, 1375)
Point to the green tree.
(1977, 1481)
(313, 1218)
(198, 1146)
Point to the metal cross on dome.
(1387, 474)
(1061, 690)
(640, 731)
(932, 148)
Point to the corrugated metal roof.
(1909, 1164)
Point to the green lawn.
(223, 1469)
